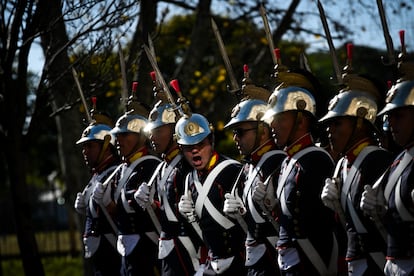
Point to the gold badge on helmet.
(361, 112)
(168, 116)
(301, 104)
(193, 129)
(136, 125)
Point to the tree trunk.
(198, 46)
(68, 122)
(145, 26)
(13, 114)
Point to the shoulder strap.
(392, 179)
(282, 180)
(353, 171)
(203, 200)
(292, 162)
(127, 173)
(258, 167)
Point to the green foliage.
(62, 266)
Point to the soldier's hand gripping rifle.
(234, 194)
(159, 81)
(336, 203)
(106, 141)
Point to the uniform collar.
(104, 164)
(171, 154)
(213, 161)
(409, 145)
(258, 153)
(355, 150)
(303, 142)
(139, 153)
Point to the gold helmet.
(130, 123)
(250, 110)
(401, 94)
(252, 105)
(352, 103)
(96, 132)
(291, 98)
(293, 92)
(358, 99)
(161, 114)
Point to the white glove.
(259, 192)
(330, 193)
(233, 205)
(270, 200)
(287, 258)
(102, 194)
(412, 195)
(142, 196)
(80, 203)
(265, 195)
(369, 200)
(186, 207)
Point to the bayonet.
(124, 98)
(82, 96)
(164, 86)
(233, 82)
(330, 43)
(268, 34)
(387, 37)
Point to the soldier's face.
(282, 126)
(245, 135)
(90, 152)
(401, 125)
(339, 132)
(128, 143)
(198, 155)
(160, 138)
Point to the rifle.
(330, 43)
(234, 86)
(268, 34)
(387, 37)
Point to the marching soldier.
(178, 249)
(262, 160)
(137, 238)
(307, 243)
(99, 153)
(352, 133)
(202, 202)
(391, 200)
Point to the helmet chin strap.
(170, 145)
(259, 132)
(106, 142)
(357, 126)
(298, 118)
(136, 147)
